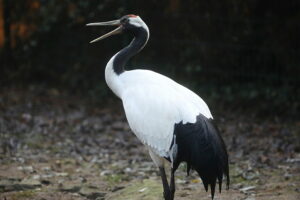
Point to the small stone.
(78, 170)
(69, 187)
(247, 189)
(46, 176)
(179, 181)
(143, 189)
(61, 174)
(82, 179)
(287, 176)
(36, 177)
(293, 160)
(26, 169)
(105, 172)
(91, 192)
(26, 117)
(250, 175)
(30, 184)
(117, 188)
(47, 168)
(127, 170)
(237, 186)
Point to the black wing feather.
(203, 149)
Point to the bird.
(173, 122)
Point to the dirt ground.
(58, 146)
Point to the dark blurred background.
(244, 53)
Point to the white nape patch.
(138, 22)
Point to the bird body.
(173, 122)
(153, 103)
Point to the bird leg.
(172, 184)
(167, 193)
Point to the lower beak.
(109, 23)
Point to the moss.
(35, 145)
(54, 149)
(113, 179)
(147, 190)
(237, 176)
(28, 194)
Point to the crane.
(173, 122)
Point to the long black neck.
(140, 39)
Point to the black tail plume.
(203, 149)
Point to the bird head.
(127, 23)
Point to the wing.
(153, 107)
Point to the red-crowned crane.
(173, 122)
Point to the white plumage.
(155, 106)
(154, 103)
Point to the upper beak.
(109, 23)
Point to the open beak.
(109, 23)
